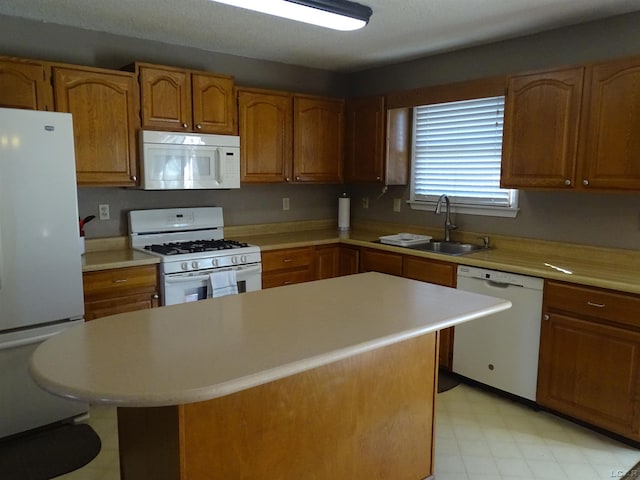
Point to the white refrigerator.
(40, 262)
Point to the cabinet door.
(327, 261)
(214, 104)
(318, 146)
(440, 273)
(541, 121)
(112, 306)
(265, 136)
(364, 140)
(103, 105)
(349, 260)
(611, 144)
(589, 371)
(372, 260)
(165, 98)
(25, 85)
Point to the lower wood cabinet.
(327, 261)
(349, 260)
(589, 364)
(416, 268)
(119, 290)
(440, 273)
(288, 266)
(372, 260)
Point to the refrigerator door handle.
(26, 341)
(1, 260)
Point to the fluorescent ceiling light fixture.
(335, 14)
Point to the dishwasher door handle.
(494, 284)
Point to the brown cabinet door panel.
(364, 140)
(611, 143)
(590, 372)
(372, 260)
(103, 105)
(318, 146)
(25, 85)
(266, 126)
(165, 98)
(541, 121)
(214, 104)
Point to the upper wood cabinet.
(286, 137)
(574, 128)
(610, 147)
(377, 142)
(318, 145)
(541, 121)
(25, 84)
(184, 100)
(266, 127)
(364, 140)
(104, 108)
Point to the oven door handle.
(185, 278)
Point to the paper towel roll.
(344, 209)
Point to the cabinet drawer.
(430, 271)
(280, 279)
(112, 306)
(594, 302)
(120, 281)
(289, 258)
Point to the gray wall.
(598, 219)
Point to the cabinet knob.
(198, 126)
(184, 125)
(567, 182)
(378, 179)
(585, 182)
(297, 179)
(155, 296)
(287, 179)
(134, 178)
(545, 316)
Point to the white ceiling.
(399, 30)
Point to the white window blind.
(457, 150)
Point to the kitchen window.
(457, 150)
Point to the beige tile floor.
(479, 436)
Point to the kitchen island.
(327, 379)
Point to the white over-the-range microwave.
(185, 161)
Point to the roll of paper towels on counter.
(344, 210)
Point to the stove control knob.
(214, 262)
(194, 264)
(184, 265)
(243, 259)
(234, 260)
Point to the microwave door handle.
(218, 170)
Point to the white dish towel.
(223, 283)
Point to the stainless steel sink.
(448, 248)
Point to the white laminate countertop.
(207, 349)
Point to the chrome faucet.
(448, 226)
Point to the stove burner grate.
(196, 246)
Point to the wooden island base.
(370, 416)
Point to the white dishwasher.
(501, 350)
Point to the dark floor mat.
(48, 453)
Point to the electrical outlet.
(365, 202)
(397, 204)
(285, 204)
(104, 211)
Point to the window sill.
(484, 210)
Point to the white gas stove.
(193, 251)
